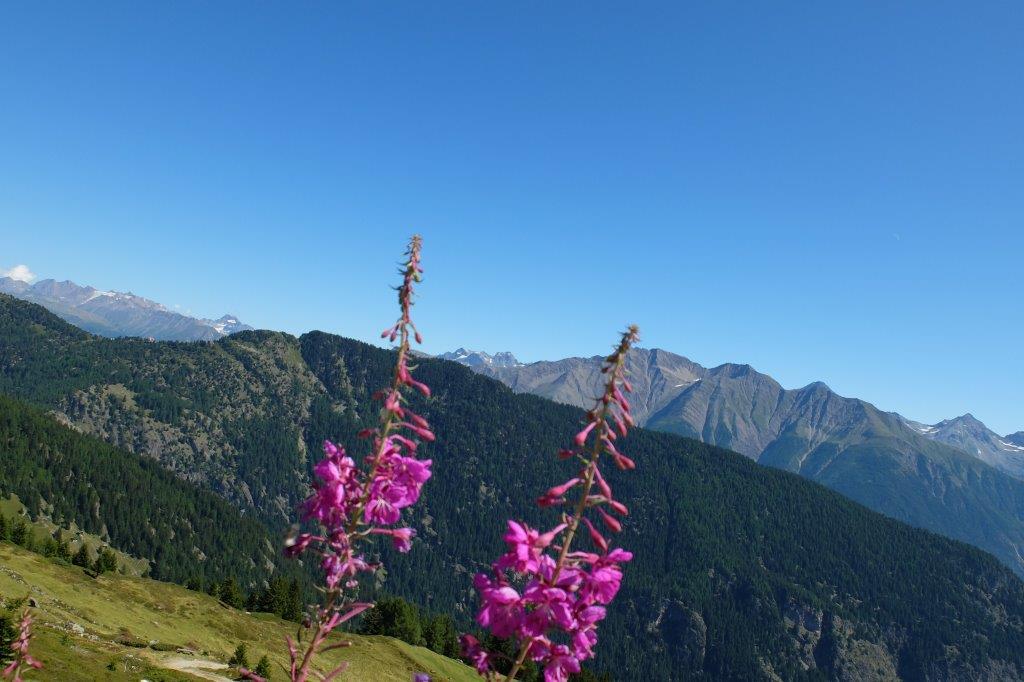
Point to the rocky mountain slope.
(113, 314)
(741, 571)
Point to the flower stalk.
(564, 595)
(351, 504)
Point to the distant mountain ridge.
(668, 397)
(974, 438)
(114, 313)
(874, 457)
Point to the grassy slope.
(112, 606)
(43, 528)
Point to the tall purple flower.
(350, 504)
(541, 593)
(22, 660)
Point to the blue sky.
(825, 191)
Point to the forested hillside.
(741, 572)
(138, 506)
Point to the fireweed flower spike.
(22, 658)
(541, 593)
(350, 504)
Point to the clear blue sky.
(828, 191)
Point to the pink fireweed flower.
(564, 592)
(610, 521)
(502, 609)
(402, 539)
(525, 547)
(22, 659)
(473, 652)
(560, 663)
(552, 608)
(596, 537)
(601, 584)
(350, 504)
(618, 507)
(581, 437)
(584, 637)
(555, 495)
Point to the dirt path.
(196, 666)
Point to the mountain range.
(671, 397)
(741, 572)
(927, 476)
(114, 313)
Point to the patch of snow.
(97, 294)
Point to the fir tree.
(263, 667)
(230, 593)
(440, 635)
(105, 561)
(21, 534)
(81, 557)
(240, 659)
(394, 617)
(293, 603)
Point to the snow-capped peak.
(475, 358)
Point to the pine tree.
(230, 593)
(105, 561)
(21, 534)
(240, 659)
(263, 667)
(394, 617)
(293, 604)
(81, 557)
(274, 599)
(48, 548)
(439, 635)
(5, 529)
